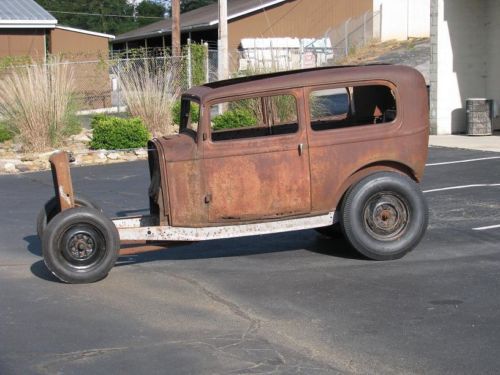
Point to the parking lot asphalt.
(293, 303)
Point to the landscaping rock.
(113, 156)
(28, 157)
(9, 167)
(141, 152)
(22, 167)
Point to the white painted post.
(222, 42)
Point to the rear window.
(351, 106)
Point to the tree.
(187, 5)
(150, 8)
(108, 12)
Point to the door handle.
(301, 148)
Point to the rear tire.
(384, 216)
(51, 208)
(80, 245)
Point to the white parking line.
(460, 187)
(488, 227)
(462, 161)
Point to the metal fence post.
(207, 64)
(189, 67)
(118, 88)
(346, 38)
(364, 28)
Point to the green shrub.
(176, 112)
(5, 134)
(113, 133)
(234, 118)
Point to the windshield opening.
(190, 116)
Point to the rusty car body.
(336, 147)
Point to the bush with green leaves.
(114, 133)
(234, 118)
(176, 112)
(5, 133)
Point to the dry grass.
(34, 102)
(149, 89)
(370, 52)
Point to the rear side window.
(351, 106)
(260, 116)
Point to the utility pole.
(222, 44)
(176, 30)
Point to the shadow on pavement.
(267, 244)
(41, 271)
(34, 245)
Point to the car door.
(256, 160)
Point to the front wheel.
(384, 216)
(52, 207)
(80, 245)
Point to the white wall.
(403, 19)
(493, 57)
(465, 56)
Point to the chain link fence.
(355, 33)
(97, 84)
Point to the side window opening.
(254, 117)
(351, 106)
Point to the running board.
(140, 228)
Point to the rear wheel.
(80, 245)
(51, 208)
(384, 216)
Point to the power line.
(102, 15)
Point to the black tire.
(333, 231)
(384, 216)
(80, 245)
(51, 208)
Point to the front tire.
(80, 245)
(52, 207)
(384, 216)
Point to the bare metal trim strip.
(132, 229)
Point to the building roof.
(203, 18)
(24, 14)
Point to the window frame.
(255, 95)
(345, 85)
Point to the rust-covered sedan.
(340, 149)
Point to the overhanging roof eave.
(164, 32)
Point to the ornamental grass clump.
(35, 102)
(150, 88)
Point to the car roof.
(396, 74)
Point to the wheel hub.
(82, 246)
(386, 216)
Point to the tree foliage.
(103, 21)
(187, 5)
